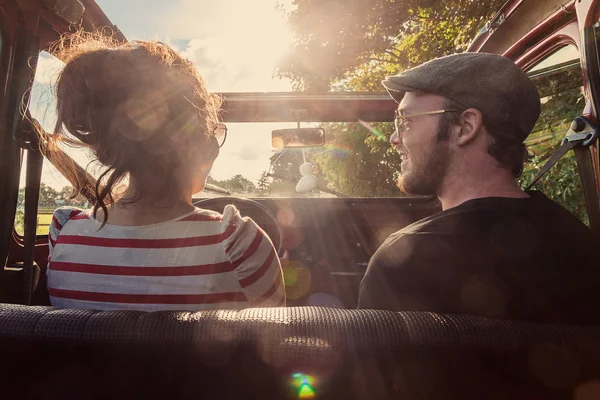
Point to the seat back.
(302, 352)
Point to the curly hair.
(139, 107)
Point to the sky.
(235, 44)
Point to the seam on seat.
(65, 319)
(28, 311)
(85, 325)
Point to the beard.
(426, 170)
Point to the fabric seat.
(303, 352)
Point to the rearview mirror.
(298, 137)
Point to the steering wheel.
(253, 209)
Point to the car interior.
(319, 346)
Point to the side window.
(558, 78)
(55, 190)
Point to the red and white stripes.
(199, 261)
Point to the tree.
(65, 193)
(352, 45)
(238, 184)
(263, 184)
(334, 38)
(48, 196)
(72, 198)
(563, 101)
(359, 162)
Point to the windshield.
(233, 58)
(249, 166)
(235, 54)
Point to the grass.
(43, 225)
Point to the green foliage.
(264, 184)
(236, 185)
(561, 184)
(48, 196)
(563, 101)
(52, 198)
(335, 38)
(353, 45)
(20, 222)
(49, 200)
(359, 163)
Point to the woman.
(147, 116)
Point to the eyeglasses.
(400, 119)
(220, 133)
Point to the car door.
(26, 28)
(557, 43)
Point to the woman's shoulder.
(63, 214)
(233, 229)
(60, 217)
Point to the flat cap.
(493, 84)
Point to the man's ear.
(470, 123)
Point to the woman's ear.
(203, 159)
(208, 153)
(213, 148)
(470, 123)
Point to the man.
(494, 250)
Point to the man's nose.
(395, 138)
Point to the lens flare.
(374, 131)
(306, 392)
(301, 284)
(285, 216)
(304, 384)
(338, 151)
(290, 275)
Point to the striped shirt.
(201, 260)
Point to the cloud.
(42, 103)
(227, 68)
(198, 51)
(249, 153)
(235, 44)
(48, 68)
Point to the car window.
(55, 190)
(558, 78)
(564, 55)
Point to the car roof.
(516, 20)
